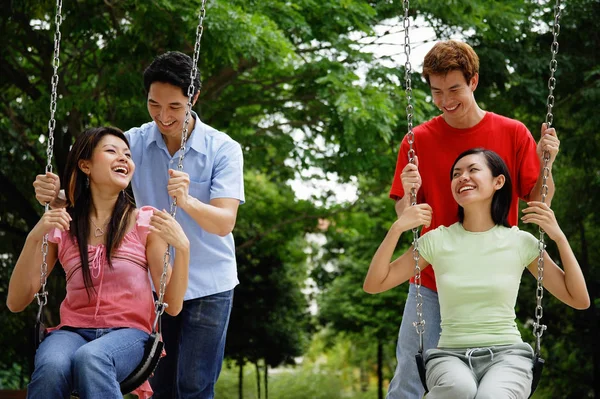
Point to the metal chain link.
(410, 137)
(190, 93)
(42, 295)
(538, 327)
(160, 305)
(553, 63)
(408, 81)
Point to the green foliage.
(293, 83)
(293, 383)
(512, 39)
(269, 308)
(272, 71)
(328, 370)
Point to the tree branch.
(22, 206)
(216, 84)
(13, 77)
(9, 228)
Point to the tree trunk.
(266, 376)
(257, 379)
(364, 377)
(241, 380)
(379, 369)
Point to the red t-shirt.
(437, 145)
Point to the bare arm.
(568, 285)
(25, 279)
(401, 205)
(382, 274)
(217, 217)
(165, 230)
(536, 192)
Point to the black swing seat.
(538, 367)
(421, 367)
(144, 370)
(152, 352)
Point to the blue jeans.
(406, 383)
(89, 361)
(195, 344)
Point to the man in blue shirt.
(208, 192)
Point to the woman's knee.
(53, 365)
(464, 388)
(449, 381)
(452, 386)
(87, 359)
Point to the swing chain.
(407, 78)
(160, 306)
(409, 107)
(42, 295)
(538, 327)
(420, 323)
(53, 96)
(190, 93)
(410, 137)
(553, 65)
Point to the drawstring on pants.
(470, 352)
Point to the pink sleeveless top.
(122, 295)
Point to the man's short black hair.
(174, 68)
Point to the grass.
(291, 383)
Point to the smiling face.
(167, 106)
(453, 95)
(472, 180)
(110, 166)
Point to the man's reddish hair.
(451, 55)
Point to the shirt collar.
(195, 141)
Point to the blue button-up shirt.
(214, 163)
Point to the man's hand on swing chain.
(47, 187)
(548, 142)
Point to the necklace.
(99, 231)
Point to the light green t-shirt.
(478, 276)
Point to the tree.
(293, 82)
(513, 39)
(372, 320)
(279, 77)
(269, 315)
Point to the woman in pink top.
(106, 247)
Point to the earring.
(87, 182)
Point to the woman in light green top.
(478, 263)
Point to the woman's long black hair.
(79, 200)
(502, 197)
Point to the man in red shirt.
(451, 69)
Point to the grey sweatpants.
(480, 373)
